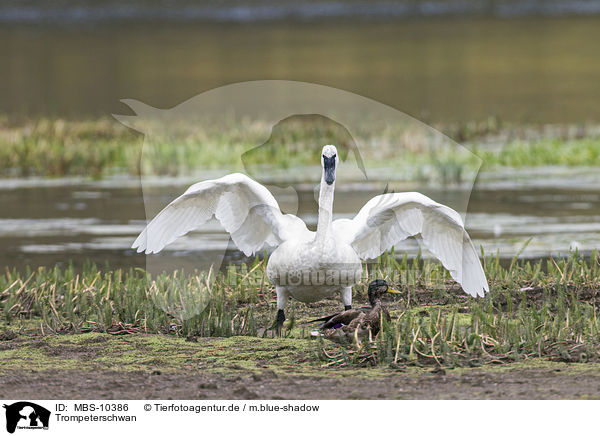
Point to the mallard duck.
(343, 326)
(307, 265)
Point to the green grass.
(547, 309)
(128, 302)
(544, 309)
(547, 151)
(53, 148)
(103, 147)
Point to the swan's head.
(329, 160)
(377, 289)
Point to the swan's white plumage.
(390, 218)
(245, 208)
(250, 213)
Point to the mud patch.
(515, 383)
(102, 366)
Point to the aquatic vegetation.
(60, 148)
(128, 302)
(546, 308)
(546, 151)
(103, 147)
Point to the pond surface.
(62, 221)
(521, 69)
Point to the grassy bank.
(544, 309)
(98, 148)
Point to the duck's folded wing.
(337, 320)
(390, 218)
(245, 208)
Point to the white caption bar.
(160, 417)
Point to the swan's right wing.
(390, 218)
(245, 208)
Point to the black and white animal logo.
(26, 415)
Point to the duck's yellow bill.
(393, 291)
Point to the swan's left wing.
(390, 218)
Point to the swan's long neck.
(325, 209)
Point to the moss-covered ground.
(110, 333)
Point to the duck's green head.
(377, 288)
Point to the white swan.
(310, 266)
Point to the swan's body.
(301, 269)
(310, 266)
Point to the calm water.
(78, 60)
(58, 222)
(521, 69)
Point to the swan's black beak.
(329, 168)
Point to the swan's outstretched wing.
(245, 208)
(390, 218)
